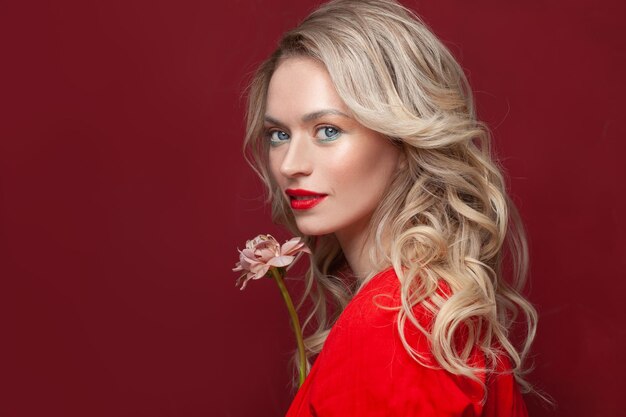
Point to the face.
(333, 170)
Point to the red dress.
(364, 370)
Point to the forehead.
(301, 85)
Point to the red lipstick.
(304, 199)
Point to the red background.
(123, 198)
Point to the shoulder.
(369, 321)
(377, 304)
(372, 312)
(375, 299)
(364, 366)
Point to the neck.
(355, 246)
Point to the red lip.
(312, 200)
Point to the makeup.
(304, 199)
(331, 186)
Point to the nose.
(296, 160)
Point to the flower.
(264, 252)
(264, 256)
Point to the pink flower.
(262, 256)
(262, 253)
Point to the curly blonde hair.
(448, 212)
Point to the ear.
(403, 164)
(402, 160)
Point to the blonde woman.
(362, 126)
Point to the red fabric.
(364, 370)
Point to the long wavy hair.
(448, 212)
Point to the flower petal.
(290, 245)
(248, 253)
(261, 271)
(247, 259)
(281, 261)
(265, 254)
(243, 280)
(293, 246)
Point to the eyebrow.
(310, 116)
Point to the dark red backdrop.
(123, 196)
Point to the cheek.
(347, 163)
(364, 170)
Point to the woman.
(362, 126)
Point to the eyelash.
(334, 137)
(268, 135)
(270, 132)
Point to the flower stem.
(294, 320)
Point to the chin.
(308, 229)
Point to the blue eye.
(328, 133)
(277, 137)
